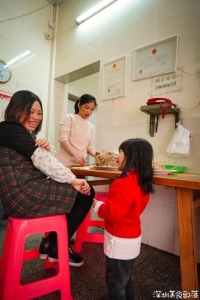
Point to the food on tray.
(157, 166)
(107, 159)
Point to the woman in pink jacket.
(76, 133)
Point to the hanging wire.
(24, 14)
(190, 108)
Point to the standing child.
(127, 198)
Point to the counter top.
(184, 180)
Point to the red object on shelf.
(161, 101)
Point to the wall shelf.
(155, 110)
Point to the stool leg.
(17, 232)
(4, 257)
(80, 234)
(14, 264)
(48, 264)
(63, 259)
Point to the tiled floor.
(155, 270)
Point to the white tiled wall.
(160, 224)
(26, 32)
(117, 31)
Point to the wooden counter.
(184, 184)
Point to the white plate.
(162, 172)
(104, 168)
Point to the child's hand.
(94, 202)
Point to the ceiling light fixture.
(18, 58)
(93, 11)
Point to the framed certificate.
(114, 79)
(156, 59)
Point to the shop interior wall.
(23, 25)
(117, 31)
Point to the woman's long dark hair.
(86, 98)
(138, 157)
(20, 105)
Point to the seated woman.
(33, 183)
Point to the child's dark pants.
(119, 279)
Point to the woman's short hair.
(86, 98)
(20, 105)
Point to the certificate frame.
(156, 59)
(114, 79)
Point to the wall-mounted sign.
(4, 98)
(114, 79)
(167, 83)
(155, 59)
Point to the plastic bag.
(179, 145)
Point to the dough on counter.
(107, 159)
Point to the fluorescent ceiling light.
(18, 57)
(94, 10)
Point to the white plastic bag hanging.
(179, 145)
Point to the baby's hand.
(94, 202)
(43, 144)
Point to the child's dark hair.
(20, 105)
(138, 157)
(86, 98)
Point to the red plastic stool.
(82, 234)
(13, 256)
